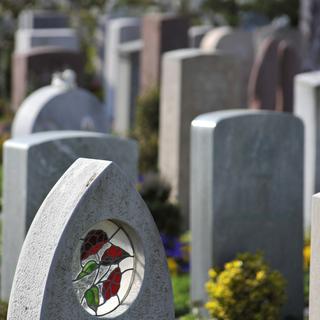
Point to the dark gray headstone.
(32, 165)
(247, 195)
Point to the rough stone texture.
(314, 302)
(289, 66)
(307, 107)
(59, 107)
(128, 86)
(32, 70)
(160, 33)
(247, 195)
(194, 82)
(196, 34)
(42, 19)
(89, 192)
(32, 165)
(26, 39)
(120, 30)
(264, 77)
(238, 43)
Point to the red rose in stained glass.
(111, 286)
(113, 255)
(92, 243)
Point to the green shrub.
(181, 288)
(155, 192)
(246, 289)
(3, 310)
(146, 130)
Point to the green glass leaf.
(92, 298)
(87, 269)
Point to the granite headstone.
(194, 82)
(247, 195)
(160, 33)
(92, 251)
(307, 107)
(32, 165)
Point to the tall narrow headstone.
(307, 107)
(160, 33)
(120, 30)
(60, 106)
(32, 165)
(33, 69)
(236, 42)
(289, 67)
(247, 195)
(314, 303)
(128, 86)
(93, 251)
(194, 82)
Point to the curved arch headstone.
(32, 165)
(91, 192)
(236, 42)
(59, 107)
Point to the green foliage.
(246, 289)
(3, 310)
(181, 288)
(231, 9)
(146, 130)
(155, 192)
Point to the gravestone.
(160, 33)
(101, 256)
(236, 42)
(247, 195)
(120, 30)
(289, 66)
(306, 106)
(194, 82)
(60, 106)
(42, 19)
(263, 80)
(314, 303)
(33, 69)
(26, 39)
(196, 34)
(32, 165)
(128, 86)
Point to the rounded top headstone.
(60, 106)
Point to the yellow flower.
(173, 266)
(261, 275)
(306, 256)
(212, 273)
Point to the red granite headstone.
(33, 69)
(289, 66)
(264, 77)
(160, 33)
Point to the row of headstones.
(246, 195)
(195, 82)
(132, 45)
(265, 204)
(44, 43)
(269, 69)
